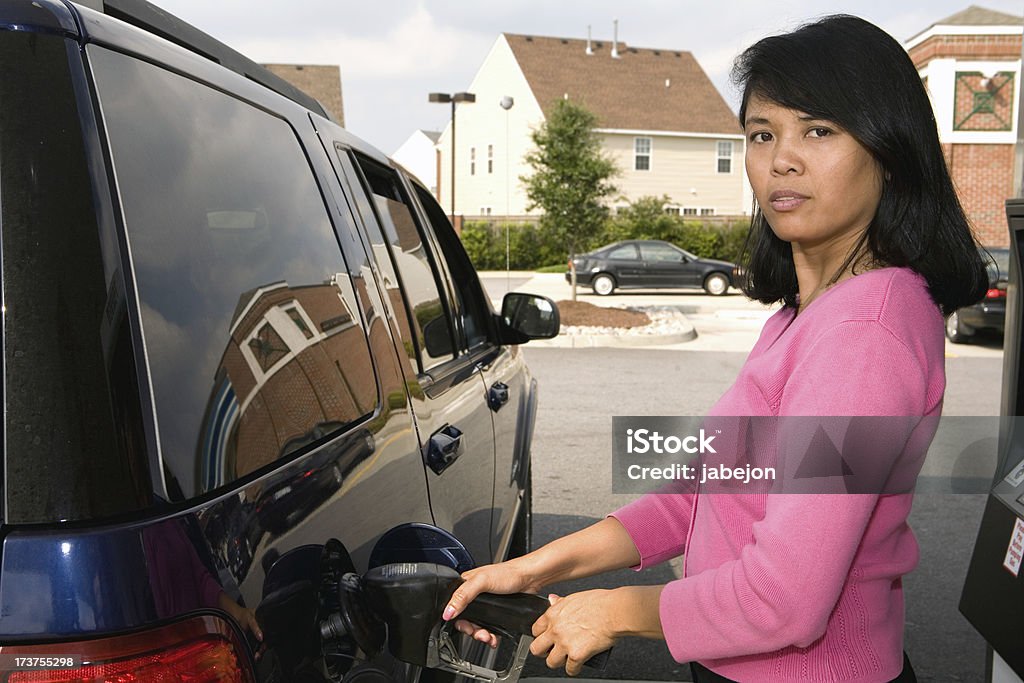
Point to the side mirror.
(527, 316)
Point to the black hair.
(846, 70)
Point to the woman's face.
(818, 187)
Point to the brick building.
(971, 63)
(287, 348)
(320, 81)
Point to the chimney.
(590, 50)
(615, 40)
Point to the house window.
(707, 212)
(299, 320)
(490, 158)
(725, 156)
(689, 211)
(642, 154)
(485, 211)
(672, 210)
(472, 161)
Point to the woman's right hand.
(503, 578)
(600, 547)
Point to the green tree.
(643, 219)
(571, 175)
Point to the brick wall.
(983, 175)
(320, 81)
(980, 47)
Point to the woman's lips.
(786, 200)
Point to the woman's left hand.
(575, 628)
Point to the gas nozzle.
(409, 598)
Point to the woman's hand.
(603, 546)
(575, 628)
(503, 578)
(579, 626)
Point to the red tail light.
(200, 650)
(995, 294)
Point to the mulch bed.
(581, 313)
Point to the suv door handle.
(497, 396)
(444, 448)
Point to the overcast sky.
(393, 52)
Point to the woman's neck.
(817, 269)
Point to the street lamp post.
(443, 97)
(506, 104)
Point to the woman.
(858, 232)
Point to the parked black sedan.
(989, 313)
(649, 264)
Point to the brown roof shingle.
(979, 16)
(975, 16)
(625, 93)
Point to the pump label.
(1015, 552)
(1016, 475)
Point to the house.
(970, 63)
(419, 156)
(659, 117)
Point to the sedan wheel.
(957, 332)
(716, 284)
(603, 284)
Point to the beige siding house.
(661, 119)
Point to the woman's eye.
(761, 137)
(820, 132)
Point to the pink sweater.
(804, 587)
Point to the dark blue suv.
(231, 332)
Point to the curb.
(585, 341)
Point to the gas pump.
(993, 594)
(323, 622)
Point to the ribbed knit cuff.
(657, 526)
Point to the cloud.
(418, 46)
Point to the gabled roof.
(644, 89)
(972, 16)
(434, 135)
(979, 16)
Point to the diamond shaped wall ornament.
(983, 103)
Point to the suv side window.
(474, 310)
(430, 324)
(254, 339)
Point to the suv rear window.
(254, 339)
(72, 429)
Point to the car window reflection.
(252, 330)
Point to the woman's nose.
(786, 158)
